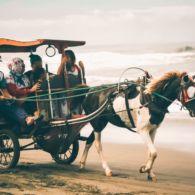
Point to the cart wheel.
(69, 156)
(9, 149)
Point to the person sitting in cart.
(18, 84)
(36, 64)
(74, 72)
(11, 110)
(38, 72)
(74, 77)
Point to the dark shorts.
(13, 112)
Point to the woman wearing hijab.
(18, 84)
(10, 109)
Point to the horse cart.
(58, 132)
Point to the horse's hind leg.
(98, 145)
(88, 145)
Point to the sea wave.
(106, 67)
(101, 60)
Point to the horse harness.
(147, 100)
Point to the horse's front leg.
(98, 145)
(151, 175)
(152, 154)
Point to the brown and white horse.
(148, 110)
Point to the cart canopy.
(12, 46)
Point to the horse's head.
(171, 86)
(187, 93)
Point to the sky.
(100, 22)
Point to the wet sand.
(37, 173)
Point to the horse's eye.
(191, 92)
(186, 79)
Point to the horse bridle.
(183, 95)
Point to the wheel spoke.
(6, 145)
(10, 156)
(5, 159)
(70, 151)
(66, 156)
(11, 144)
(1, 155)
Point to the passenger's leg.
(30, 107)
(17, 114)
(22, 116)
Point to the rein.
(147, 100)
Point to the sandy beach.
(38, 174)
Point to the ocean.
(106, 65)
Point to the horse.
(145, 109)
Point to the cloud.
(97, 26)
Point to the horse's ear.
(182, 74)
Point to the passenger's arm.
(2, 97)
(62, 64)
(18, 92)
(6, 94)
(60, 69)
(21, 92)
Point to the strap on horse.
(129, 113)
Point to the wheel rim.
(6, 150)
(67, 154)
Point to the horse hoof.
(82, 166)
(143, 169)
(108, 173)
(150, 178)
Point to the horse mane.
(159, 83)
